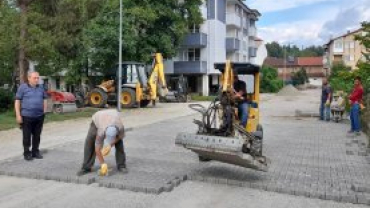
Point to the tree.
(276, 50)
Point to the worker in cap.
(106, 127)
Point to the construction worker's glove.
(327, 103)
(106, 150)
(103, 171)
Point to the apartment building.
(228, 32)
(344, 49)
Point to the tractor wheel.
(182, 99)
(98, 98)
(128, 98)
(144, 103)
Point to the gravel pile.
(289, 90)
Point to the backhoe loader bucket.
(223, 149)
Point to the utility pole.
(119, 97)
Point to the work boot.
(122, 169)
(37, 155)
(83, 171)
(28, 157)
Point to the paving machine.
(219, 136)
(178, 90)
(138, 88)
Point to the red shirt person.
(355, 99)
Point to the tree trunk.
(22, 60)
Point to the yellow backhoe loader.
(138, 89)
(220, 136)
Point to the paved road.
(310, 159)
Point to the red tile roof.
(310, 61)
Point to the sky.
(308, 22)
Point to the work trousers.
(89, 150)
(355, 117)
(32, 128)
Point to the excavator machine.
(220, 137)
(138, 89)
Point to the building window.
(57, 83)
(193, 54)
(338, 44)
(352, 44)
(346, 45)
(252, 23)
(351, 57)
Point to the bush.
(6, 100)
(270, 81)
(300, 77)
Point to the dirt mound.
(289, 90)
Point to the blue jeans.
(324, 112)
(355, 117)
(243, 109)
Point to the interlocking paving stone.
(308, 159)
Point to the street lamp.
(119, 97)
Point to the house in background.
(344, 49)
(228, 32)
(314, 67)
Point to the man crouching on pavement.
(107, 125)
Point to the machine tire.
(128, 98)
(144, 103)
(203, 159)
(80, 102)
(259, 128)
(182, 99)
(98, 98)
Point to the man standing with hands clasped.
(105, 125)
(30, 107)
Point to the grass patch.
(7, 119)
(202, 98)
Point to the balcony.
(232, 44)
(190, 67)
(233, 20)
(252, 32)
(245, 32)
(252, 52)
(195, 40)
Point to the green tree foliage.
(300, 77)
(149, 26)
(9, 31)
(276, 50)
(270, 81)
(78, 34)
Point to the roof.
(310, 61)
(257, 39)
(296, 62)
(279, 62)
(239, 67)
(344, 35)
